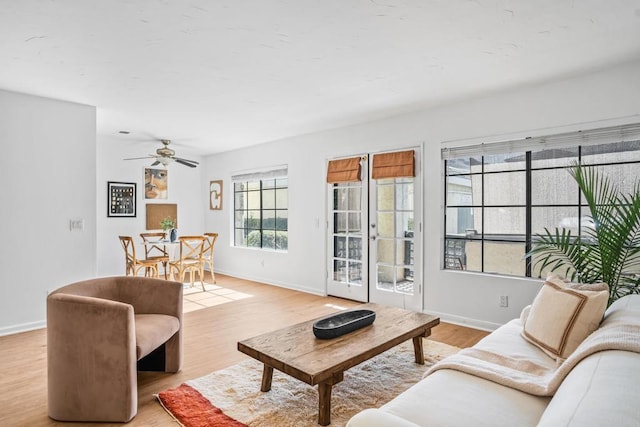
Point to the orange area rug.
(188, 406)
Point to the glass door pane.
(347, 277)
(393, 240)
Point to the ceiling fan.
(165, 155)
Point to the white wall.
(47, 170)
(185, 189)
(605, 97)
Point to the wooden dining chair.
(208, 253)
(153, 250)
(132, 264)
(190, 261)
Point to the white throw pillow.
(563, 315)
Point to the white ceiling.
(221, 74)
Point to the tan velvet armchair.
(99, 333)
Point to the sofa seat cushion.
(153, 330)
(453, 398)
(507, 340)
(374, 417)
(599, 391)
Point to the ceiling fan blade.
(140, 158)
(186, 160)
(156, 163)
(190, 163)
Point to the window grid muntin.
(348, 239)
(242, 214)
(529, 167)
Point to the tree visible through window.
(261, 213)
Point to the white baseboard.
(25, 327)
(292, 286)
(465, 321)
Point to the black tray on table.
(343, 323)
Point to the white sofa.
(602, 389)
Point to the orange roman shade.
(394, 165)
(344, 170)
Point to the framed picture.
(156, 212)
(156, 182)
(121, 199)
(215, 195)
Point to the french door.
(374, 239)
(348, 238)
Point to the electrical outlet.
(504, 301)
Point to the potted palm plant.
(609, 249)
(168, 225)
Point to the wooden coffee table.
(297, 352)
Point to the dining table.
(171, 248)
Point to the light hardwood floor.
(210, 338)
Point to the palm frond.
(610, 252)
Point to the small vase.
(173, 234)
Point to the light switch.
(76, 224)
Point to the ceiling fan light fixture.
(165, 155)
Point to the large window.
(498, 197)
(260, 210)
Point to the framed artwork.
(156, 212)
(215, 195)
(121, 199)
(156, 183)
